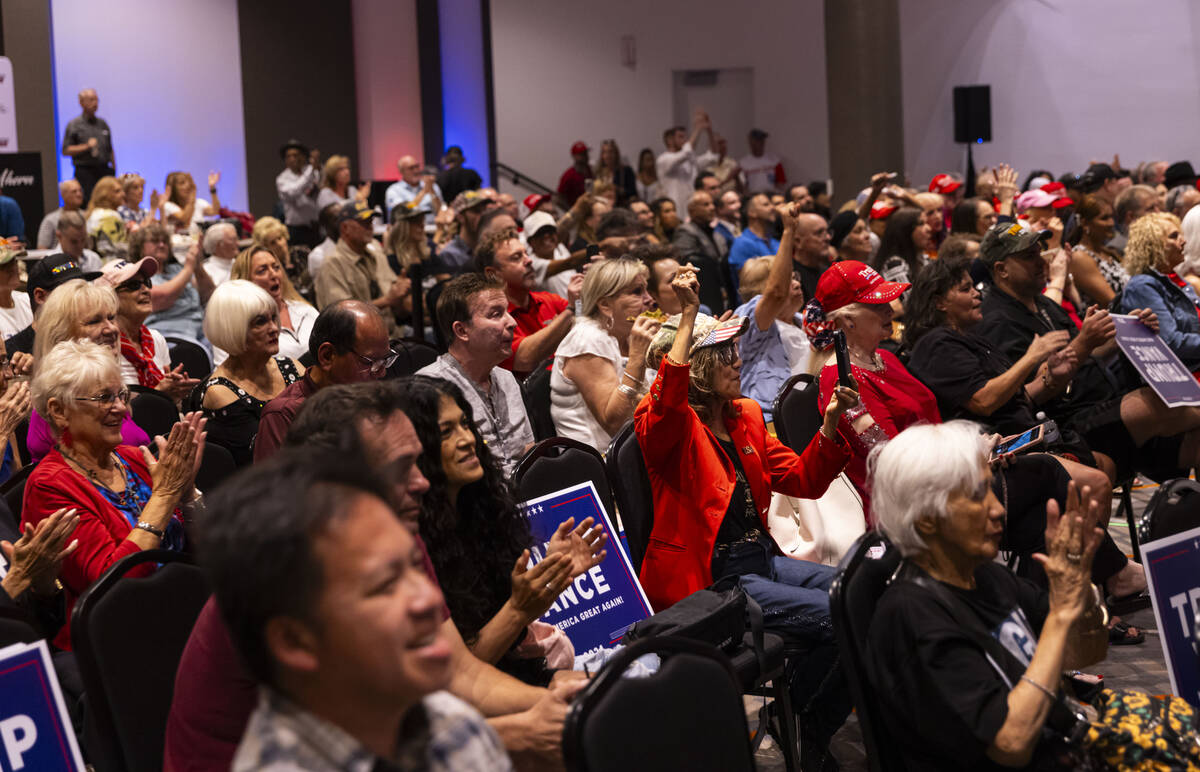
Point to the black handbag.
(719, 616)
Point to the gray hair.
(1175, 198)
(1132, 201)
(66, 370)
(230, 310)
(914, 474)
(215, 233)
(71, 219)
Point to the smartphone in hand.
(843, 359)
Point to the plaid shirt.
(282, 737)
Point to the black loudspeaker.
(972, 114)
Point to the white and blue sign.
(35, 730)
(1173, 572)
(1172, 382)
(603, 603)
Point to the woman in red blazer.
(712, 468)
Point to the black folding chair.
(535, 392)
(13, 490)
(631, 488)
(153, 411)
(124, 625)
(216, 465)
(861, 579)
(688, 715)
(191, 355)
(431, 301)
(558, 463)
(413, 354)
(797, 415)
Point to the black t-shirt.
(945, 700)
(742, 516)
(22, 341)
(1010, 327)
(809, 277)
(956, 365)
(456, 180)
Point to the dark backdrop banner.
(21, 180)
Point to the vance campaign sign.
(35, 730)
(1156, 362)
(601, 604)
(1173, 573)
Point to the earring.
(850, 325)
(608, 322)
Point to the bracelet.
(625, 374)
(627, 390)
(143, 525)
(1053, 697)
(670, 361)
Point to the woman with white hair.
(126, 500)
(600, 367)
(1189, 269)
(966, 657)
(243, 320)
(77, 310)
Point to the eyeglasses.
(108, 398)
(5, 364)
(378, 366)
(134, 284)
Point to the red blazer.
(692, 480)
(101, 531)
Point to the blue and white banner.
(1173, 572)
(603, 603)
(35, 730)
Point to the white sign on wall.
(8, 108)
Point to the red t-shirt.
(541, 310)
(573, 184)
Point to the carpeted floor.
(1142, 666)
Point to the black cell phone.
(592, 251)
(843, 359)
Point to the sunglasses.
(134, 284)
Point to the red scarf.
(143, 361)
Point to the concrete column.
(862, 72)
(28, 43)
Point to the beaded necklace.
(126, 496)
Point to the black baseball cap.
(56, 269)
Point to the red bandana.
(143, 361)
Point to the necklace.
(126, 496)
(875, 361)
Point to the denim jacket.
(1176, 308)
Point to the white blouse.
(571, 415)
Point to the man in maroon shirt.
(543, 318)
(215, 692)
(349, 341)
(573, 182)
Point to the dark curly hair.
(921, 314)
(473, 544)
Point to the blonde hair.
(107, 194)
(61, 313)
(929, 199)
(605, 279)
(1147, 241)
(130, 180)
(331, 167)
(753, 277)
(267, 229)
(243, 268)
(232, 307)
(66, 370)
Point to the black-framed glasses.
(378, 366)
(134, 284)
(108, 398)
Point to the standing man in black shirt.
(87, 141)
(456, 178)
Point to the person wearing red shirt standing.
(573, 182)
(543, 318)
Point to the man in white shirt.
(329, 226)
(220, 243)
(414, 186)
(677, 166)
(763, 170)
(72, 240)
(297, 186)
(72, 200)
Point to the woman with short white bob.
(243, 319)
(966, 656)
(600, 367)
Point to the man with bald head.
(71, 193)
(701, 245)
(87, 141)
(349, 343)
(810, 255)
(414, 186)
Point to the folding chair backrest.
(558, 463)
(631, 488)
(796, 414)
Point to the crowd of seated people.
(678, 294)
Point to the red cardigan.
(101, 531)
(692, 480)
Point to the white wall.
(388, 85)
(1072, 81)
(558, 76)
(168, 74)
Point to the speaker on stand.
(972, 123)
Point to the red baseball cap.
(943, 183)
(534, 200)
(850, 281)
(881, 210)
(1054, 187)
(578, 148)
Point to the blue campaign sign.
(35, 730)
(1173, 573)
(1172, 382)
(601, 604)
